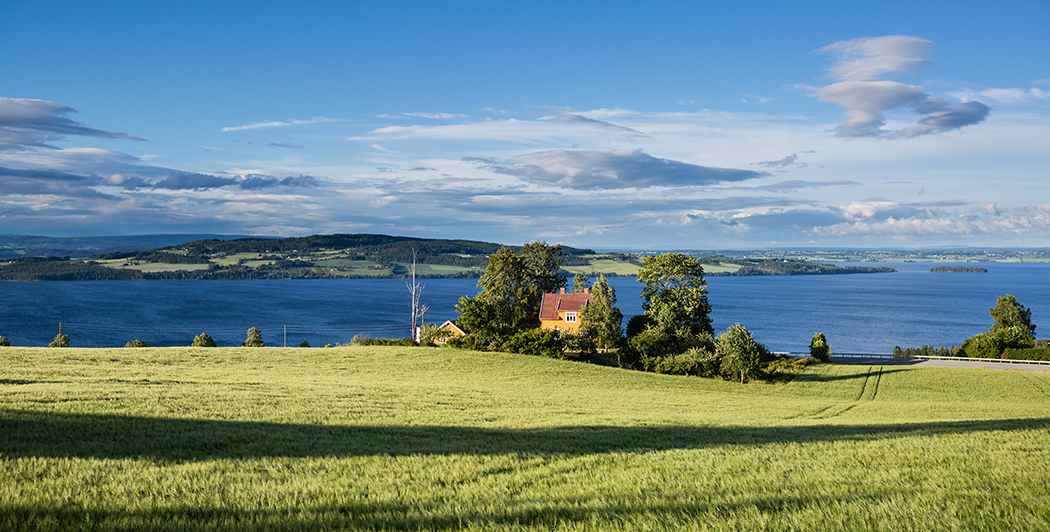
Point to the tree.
(60, 340)
(136, 343)
(1008, 313)
(580, 283)
(512, 288)
(819, 348)
(739, 351)
(4, 342)
(304, 344)
(254, 338)
(203, 340)
(675, 293)
(600, 317)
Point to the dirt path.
(941, 363)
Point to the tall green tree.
(675, 293)
(580, 283)
(601, 317)
(512, 288)
(1008, 313)
(739, 351)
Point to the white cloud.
(612, 169)
(263, 125)
(860, 63)
(1012, 96)
(869, 58)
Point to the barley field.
(371, 438)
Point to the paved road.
(941, 363)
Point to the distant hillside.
(81, 247)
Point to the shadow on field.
(46, 434)
(820, 377)
(554, 512)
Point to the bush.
(203, 340)
(1031, 353)
(60, 340)
(4, 342)
(651, 343)
(136, 343)
(465, 342)
(430, 334)
(402, 342)
(536, 341)
(819, 348)
(254, 338)
(583, 343)
(697, 362)
(638, 324)
(304, 344)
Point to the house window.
(570, 317)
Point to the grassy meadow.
(373, 438)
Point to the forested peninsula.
(352, 256)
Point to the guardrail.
(960, 359)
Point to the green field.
(369, 438)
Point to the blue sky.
(601, 124)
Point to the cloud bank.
(36, 123)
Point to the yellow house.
(454, 329)
(561, 311)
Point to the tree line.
(1011, 336)
(673, 335)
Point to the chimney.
(563, 289)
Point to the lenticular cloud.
(860, 64)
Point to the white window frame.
(570, 317)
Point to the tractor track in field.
(1041, 387)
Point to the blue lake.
(863, 313)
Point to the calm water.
(868, 313)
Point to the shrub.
(696, 361)
(136, 343)
(4, 342)
(430, 334)
(304, 344)
(203, 340)
(1031, 353)
(402, 342)
(638, 324)
(254, 338)
(650, 343)
(465, 342)
(536, 341)
(60, 340)
(819, 348)
(583, 342)
(983, 345)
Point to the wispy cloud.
(289, 145)
(1011, 96)
(285, 123)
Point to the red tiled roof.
(562, 302)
